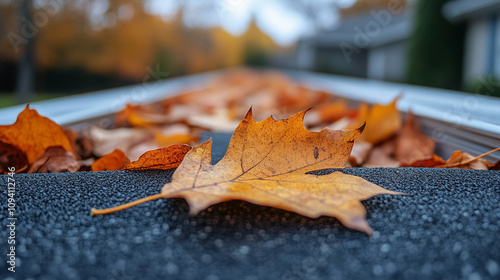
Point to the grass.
(9, 99)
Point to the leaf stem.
(95, 212)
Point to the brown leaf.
(11, 156)
(80, 143)
(463, 160)
(458, 159)
(411, 144)
(33, 134)
(115, 160)
(430, 161)
(163, 158)
(55, 159)
(495, 166)
(379, 158)
(267, 164)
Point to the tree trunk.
(26, 66)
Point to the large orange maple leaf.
(267, 163)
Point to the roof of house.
(398, 28)
(459, 10)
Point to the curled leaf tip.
(310, 108)
(362, 128)
(249, 113)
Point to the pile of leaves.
(35, 144)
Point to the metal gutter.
(456, 120)
(73, 109)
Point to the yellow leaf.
(267, 164)
(382, 122)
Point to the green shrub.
(436, 48)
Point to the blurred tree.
(26, 67)
(121, 39)
(258, 46)
(436, 48)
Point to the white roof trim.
(459, 10)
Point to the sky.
(277, 18)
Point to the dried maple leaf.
(411, 144)
(115, 160)
(33, 134)
(463, 160)
(267, 164)
(458, 159)
(55, 159)
(163, 158)
(382, 121)
(10, 155)
(430, 161)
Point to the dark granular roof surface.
(448, 229)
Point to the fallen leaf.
(163, 158)
(411, 144)
(388, 147)
(360, 153)
(140, 116)
(106, 141)
(219, 121)
(115, 160)
(379, 158)
(55, 159)
(382, 122)
(33, 134)
(80, 144)
(11, 156)
(461, 160)
(458, 159)
(327, 113)
(495, 166)
(167, 140)
(267, 163)
(174, 134)
(430, 161)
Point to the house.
(373, 45)
(482, 38)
